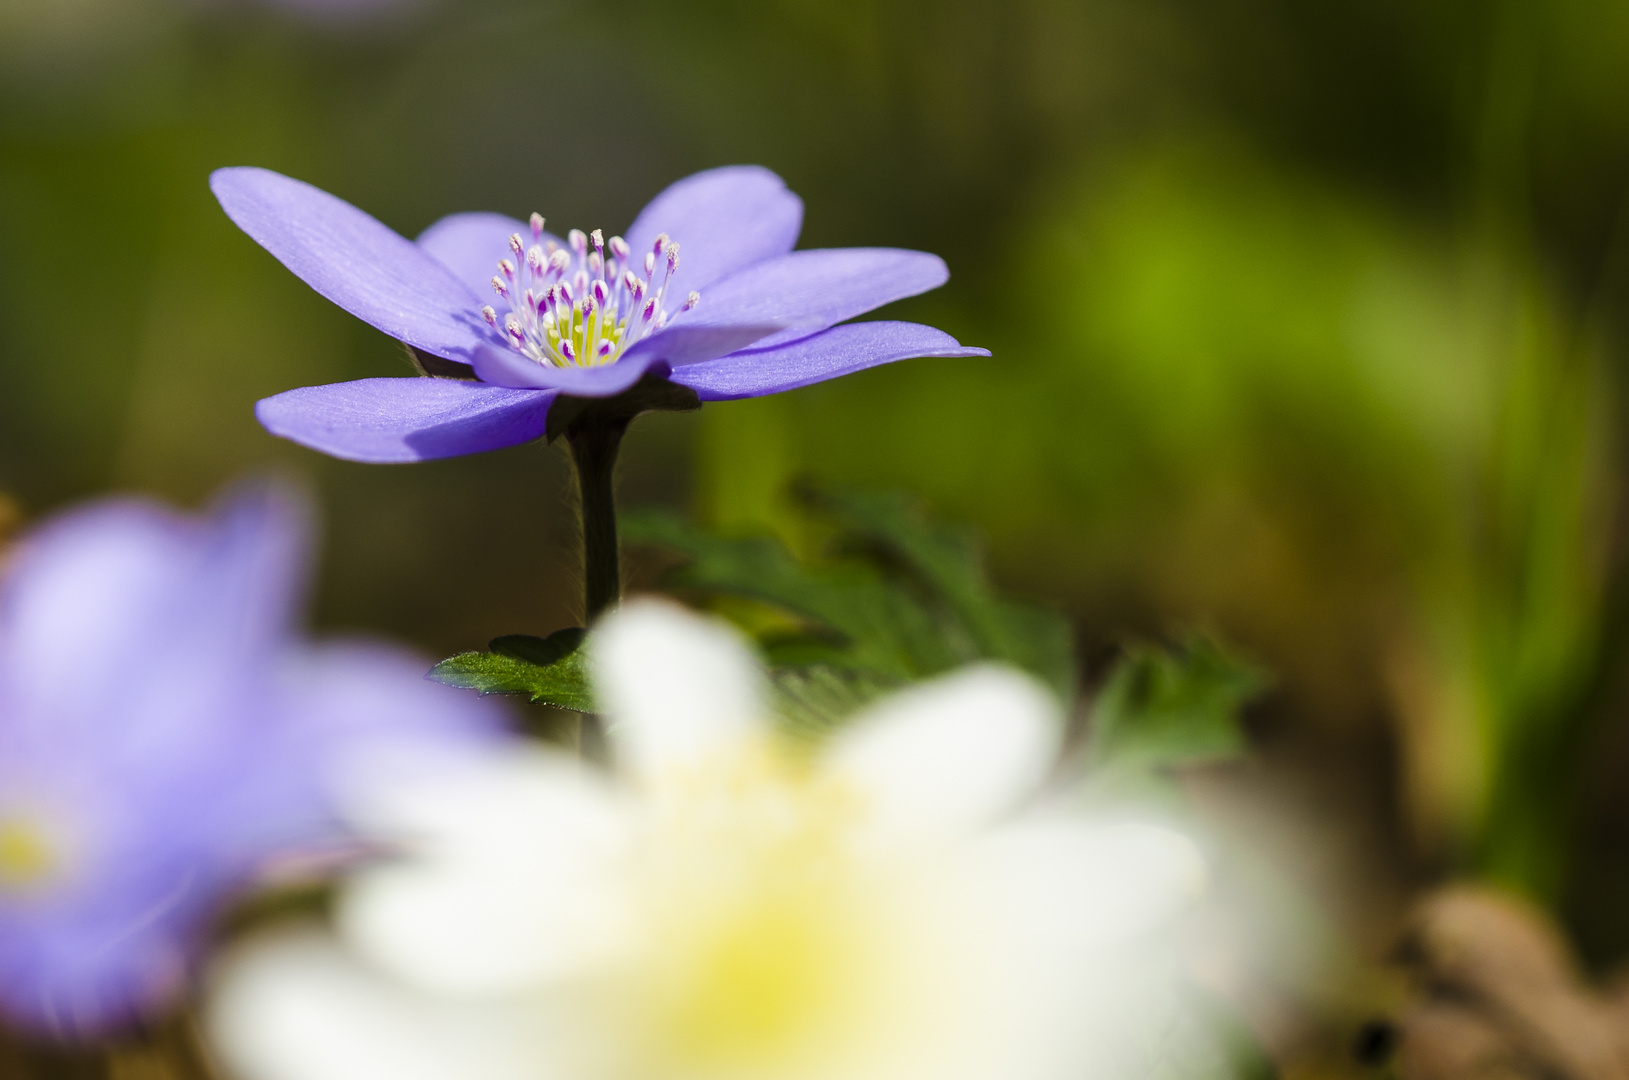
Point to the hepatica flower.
(704, 291)
(164, 739)
(898, 904)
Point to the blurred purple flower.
(741, 315)
(164, 739)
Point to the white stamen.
(583, 303)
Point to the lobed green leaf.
(1161, 708)
(550, 671)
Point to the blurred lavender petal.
(163, 736)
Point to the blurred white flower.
(897, 904)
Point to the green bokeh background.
(1307, 321)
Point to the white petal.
(508, 877)
(951, 753)
(293, 1006)
(677, 687)
(1081, 928)
(1087, 886)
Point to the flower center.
(770, 943)
(581, 305)
(27, 857)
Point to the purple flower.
(164, 740)
(529, 317)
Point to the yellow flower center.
(27, 857)
(769, 939)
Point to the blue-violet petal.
(387, 421)
(360, 264)
(723, 219)
(840, 350)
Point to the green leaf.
(550, 671)
(814, 698)
(1162, 708)
(945, 563)
(898, 596)
(879, 625)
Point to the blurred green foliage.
(884, 596)
(891, 592)
(1307, 319)
(1160, 709)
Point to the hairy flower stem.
(594, 446)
